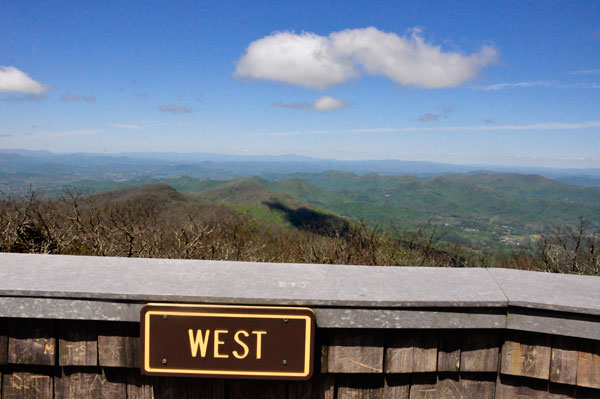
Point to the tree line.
(81, 225)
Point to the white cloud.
(470, 128)
(431, 117)
(483, 128)
(410, 60)
(539, 83)
(69, 133)
(323, 104)
(78, 98)
(16, 81)
(581, 86)
(319, 62)
(304, 60)
(326, 104)
(22, 98)
(282, 134)
(295, 133)
(175, 109)
(533, 126)
(373, 130)
(279, 104)
(447, 109)
(125, 126)
(501, 86)
(586, 72)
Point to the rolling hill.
(479, 210)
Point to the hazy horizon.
(195, 157)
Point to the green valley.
(483, 211)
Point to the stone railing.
(69, 328)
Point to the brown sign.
(227, 341)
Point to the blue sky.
(512, 83)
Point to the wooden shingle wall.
(51, 359)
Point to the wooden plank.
(511, 358)
(78, 343)
(423, 386)
(479, 352)
(248, 389)
(396, 386)
(588, 364)
(318, 387)
(425, 353)
(478, 387)
(32, 341)
(139, 386)
(511, 387)
(25, 385)
(449, 351)
(118, 345)
(563, 363)
(451, 386)
(399, 354)
(4, 323)
(527, 355)
(324, 358)
(360, 386)
(178, 388)
(114, 384)
(411, 351)
(3, 349)
(117, 351)
(355, 352)
(89, 383)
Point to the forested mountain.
(43, 169)
(478, 210)
(482, 210)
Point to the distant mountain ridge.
(474, 208)
(477, 209)
(37, 166)
(480, 209)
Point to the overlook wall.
(69, 328)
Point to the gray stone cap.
(196, 281)
(550, 291)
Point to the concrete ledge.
(411, 318)
(556, 323)
(551, 291)
(97, 288)
(198, 281)
(68, 309)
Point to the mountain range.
(477, 209)
(18, 168)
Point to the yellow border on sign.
(307, 351)
(196, 305)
